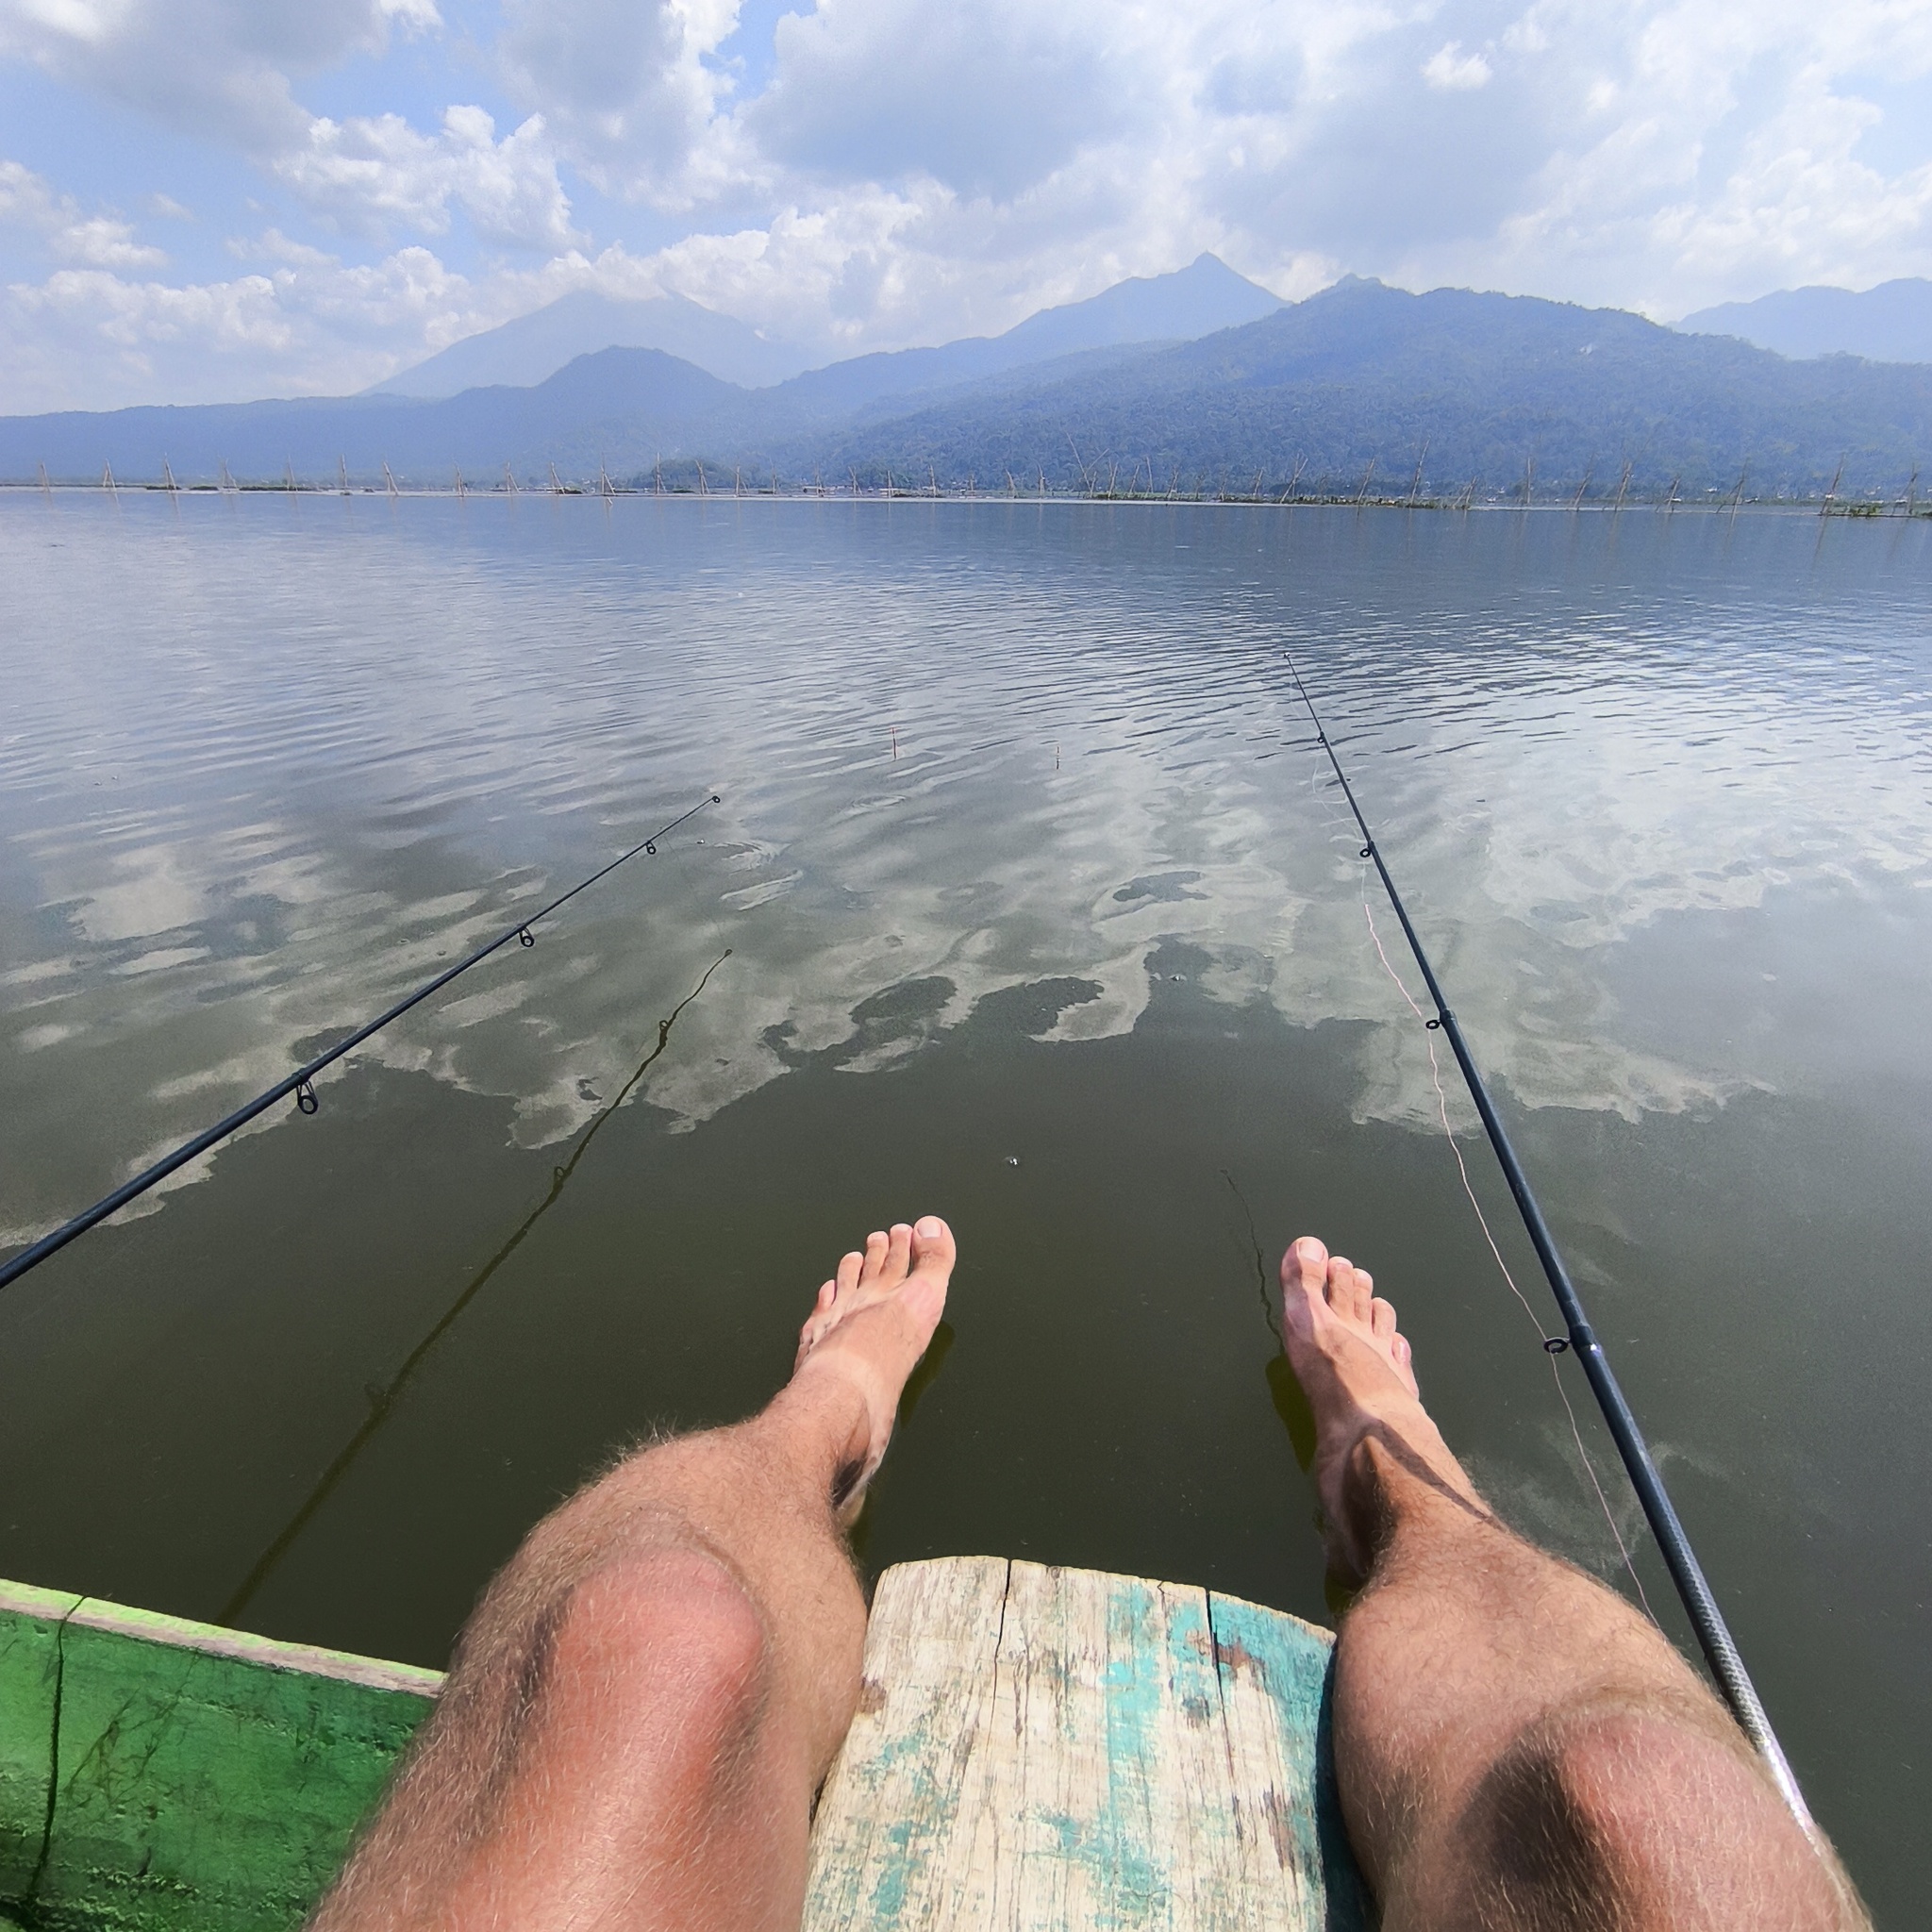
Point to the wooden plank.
(1277, 1679)
(1119, 1775)
(29, 1662)
(889, 1833)
(1105, 1762)
(199, 1780)
(97, 1613)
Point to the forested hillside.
(1367, 382)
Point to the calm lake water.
(1043, 913)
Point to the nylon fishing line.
(1713, 1634)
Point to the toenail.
(929, 1228)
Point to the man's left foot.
(872, 1324)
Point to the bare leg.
(649, 1695)
(1515, 1746)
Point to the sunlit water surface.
(1042, 912)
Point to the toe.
(933, 1248)
(849, 1269)
(1340, 1287)
(1303, 1270)
(876, 1244)
(1382, 1319)
(898, 1254)
(827, 1294)
(1305, 1266)
(1403, 1356)
(1354, 1294)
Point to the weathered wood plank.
(1276, 1679)
(1109, 1763)
(900, 1805)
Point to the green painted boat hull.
(156, 1773)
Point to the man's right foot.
(1355, 1369)
(867, 1329)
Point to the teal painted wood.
(1296, 1672)
(1039, 1748)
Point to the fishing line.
(301, 1083)
(1482, 1222)
(382, 1402)
(1543, 1336)
(1713, 1634)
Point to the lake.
(1030, 902)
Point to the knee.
(666, 1645)
(1608, 1814)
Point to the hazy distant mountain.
(1198, 300)
(534, 347)
(1359, 382)
(1367, 381)
(1891, 322)
(1194, 301)
(628, 402)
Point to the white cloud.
(102, 242)
(897, 171)
(370, 174)
(1716, 155)
(222, 70)
(98, 240)
(295, 320)
(210, 68)
(1450, 68)
(624, 83)
(987, 97)
(89, 338)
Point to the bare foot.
(871, 1325)
(1355, 1369)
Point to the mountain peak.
(534, 347)
(1199, 300)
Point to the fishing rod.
(301, 1083)
(1713, 1634)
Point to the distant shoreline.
(1865, 510)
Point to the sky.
(211, 200)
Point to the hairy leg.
(643, 1707)
(1515, 1746)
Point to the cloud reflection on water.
(341, 752)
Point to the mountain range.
(1891, 322)
(1196, 301)
(1199, 380)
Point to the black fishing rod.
(1700, 1605)
(301, 1082)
